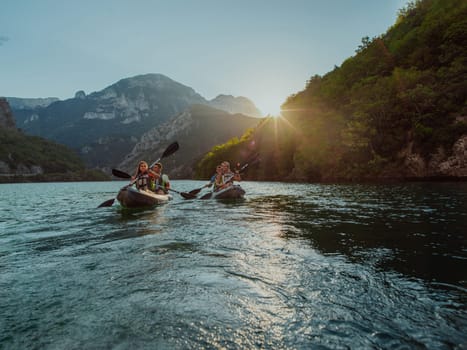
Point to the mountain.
(30, 103)
(233, 104)
(104, 125)
(197, 130)
(29, 158)
(394, 110)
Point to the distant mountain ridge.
(104, 125)
(28, 103)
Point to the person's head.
(219, 169)
(225, 166)
(157, 167)
(142, 167)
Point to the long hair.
(137, 168)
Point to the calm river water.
(293, 266)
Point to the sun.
(271, 108)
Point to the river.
(293, 266)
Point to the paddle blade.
(187, 195)
(107, 203)
(195, 191)
(207, 196)
(120, 174)
(198, 190)
(171, 149)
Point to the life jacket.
(142, 182)
(218, 182)
(228, 177)
(159, 183)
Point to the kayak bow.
(130, 197)
(230, 192)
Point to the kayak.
(130, 197)
(231, 192)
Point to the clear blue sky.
(262, 49)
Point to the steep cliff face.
(6, 116)
(439, 164)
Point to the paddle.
(206, 196)
(120, 174)
(198, 190)
(171, 149)
(107, 203)
(242, 169)
(185, 195)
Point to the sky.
(265, 50)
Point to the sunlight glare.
(272, 108)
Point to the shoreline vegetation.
(82, 176)
(92, 176)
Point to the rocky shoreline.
(440, 164)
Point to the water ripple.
(293, 266)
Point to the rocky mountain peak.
(80, 94)
(149, 83)
(233, 104)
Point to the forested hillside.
(30, 158)
(396, 109)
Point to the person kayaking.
(160, 182)
(228, 176)
(142, 176)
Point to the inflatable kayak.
(130, 197)
(231, 192)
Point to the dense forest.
(34, 159)
(402, 93)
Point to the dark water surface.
(294, 266)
